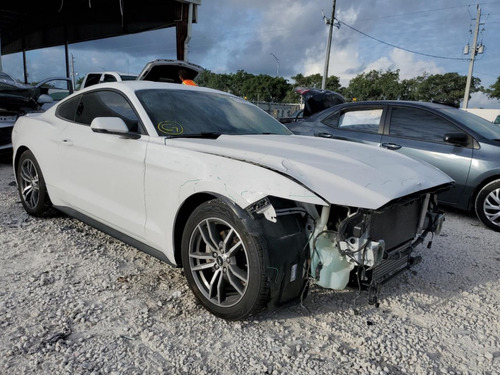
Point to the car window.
(187, 112)
(125, 77)
(92, 79)
(106, 103)
(419, 124)
(67, 110)
(109, 78)
(475, 123)
(365, 120)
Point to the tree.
(375, 85)
(494, 90)
(79, 82)
(410, 87)
(449, 87)
(216, 81)
(265, 88)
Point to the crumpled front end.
(335, 246)
(368, 247)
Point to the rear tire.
(31, 186)
(488, 205)
(223, 263)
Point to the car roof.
(367, 103)
(400, 102)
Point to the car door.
(419, 133)
(103, 174)
(354, 123)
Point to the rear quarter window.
(67, 110)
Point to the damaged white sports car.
(207, 181)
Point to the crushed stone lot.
(76, 301)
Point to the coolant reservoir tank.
(335, 268)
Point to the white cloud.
(480, 100)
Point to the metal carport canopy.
(29, 25)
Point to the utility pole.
(277, 65)
(474, 51)
(328, 45)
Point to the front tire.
(31, 186)
(488, 205)
(223, 263)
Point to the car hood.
(316, 100)
(344, 173)
(16, 104)
(168, 71)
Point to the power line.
(401, 48)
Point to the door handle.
(67, 142)
(391, 146)
(325, 135)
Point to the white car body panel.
(337, 171)
(178, 173)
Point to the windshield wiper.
(208, 135)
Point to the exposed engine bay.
(342, 246)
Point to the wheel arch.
(283, 243)
(182, 216)
(17, 157)
(187, 208)
(486, 181)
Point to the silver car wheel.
(29, 185)
(218, 261)
(491, 207)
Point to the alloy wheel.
(218, 261)
(29, 183)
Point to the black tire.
(31, 186)
(488, 205)
(217, 250)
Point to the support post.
(1, 67)
(25, 68)
(66, 51)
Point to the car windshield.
(125, 77)
(5, 77)
(180, 113)
(477, 124)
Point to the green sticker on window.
(170, 128)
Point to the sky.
(287, 37)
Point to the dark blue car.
(463, 145)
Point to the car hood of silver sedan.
(340, 172)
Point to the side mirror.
(112, 125)
(45, 99)
(457, 139)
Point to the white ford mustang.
(207, 181)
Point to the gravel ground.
(76, 301)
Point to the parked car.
(464, 146)
(160, 70)
(315, 100)
(207, 181)
(163, 70)
(94, 78)
(17, 99)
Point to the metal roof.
(28, 25)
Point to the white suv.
(100, 77)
